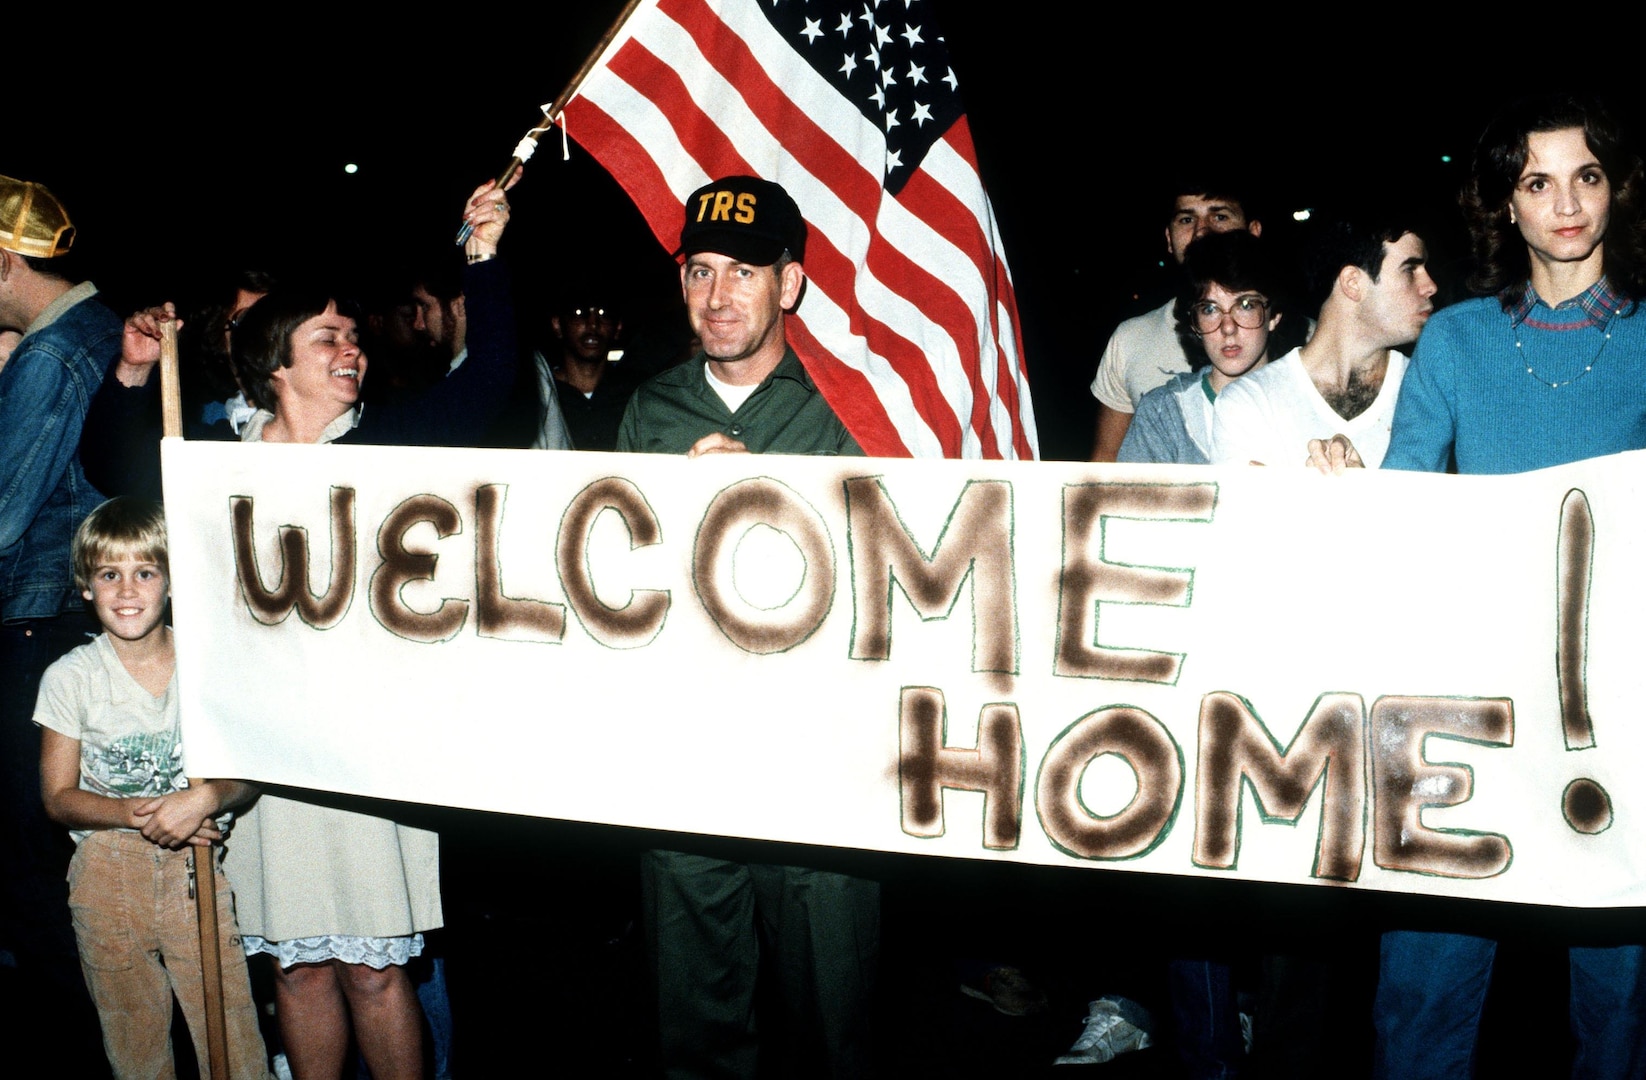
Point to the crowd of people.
(1253, 361)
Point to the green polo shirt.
(784, 415)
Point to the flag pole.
(551, 112)
(205, 881)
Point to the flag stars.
(886, 49)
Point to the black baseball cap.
(748, 219)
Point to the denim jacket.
(45, 390)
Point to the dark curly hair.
(1502, 264)
(1239, 262)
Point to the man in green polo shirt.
(709, 920)
(746, 392)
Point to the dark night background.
(184, 151)
(230, 151)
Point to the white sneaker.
(1109, 1032)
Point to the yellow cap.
(32, 221)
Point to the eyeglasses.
(1248, 312)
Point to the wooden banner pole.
(205, 879)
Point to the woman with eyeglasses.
(1231, 319)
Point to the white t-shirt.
(1143, 353)
(1271, 414)
(129, 741)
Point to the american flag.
(909, 324)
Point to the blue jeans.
(1431, 988)
(1207, 1020)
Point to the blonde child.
(111, 769)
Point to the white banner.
(1392, 681)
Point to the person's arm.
(42, 410)
(172, 821)
(1424, 430)
(60, 790)
(552, 432)
(1148, 437)
(457, 410)
(140, 344)
(120, 446)
(1114, 402)
(1332, 456)
(1112, 425)
(189, 816)
(628, 429)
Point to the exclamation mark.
(1587, 807)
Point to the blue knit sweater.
(1468, 394)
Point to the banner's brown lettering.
(402, 566)
(271, 606)
(976, 542)
(1090, 580)
(1328, 752)
(640, 618)
(497, 615)
(927, 765)
(1405, 781)
(1155, 759)
(733, 512)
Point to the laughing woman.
(340, 898)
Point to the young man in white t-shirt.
(1338, 391)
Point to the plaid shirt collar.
(1599, 302)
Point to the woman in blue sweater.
(1542, 368)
